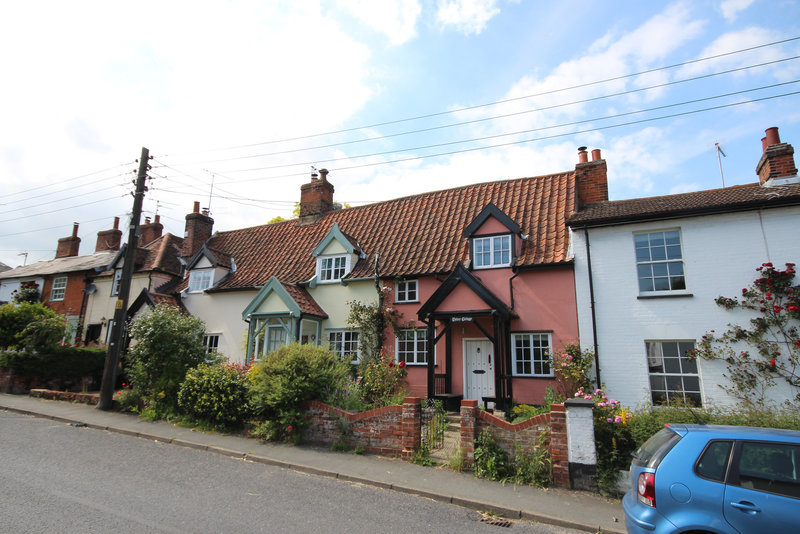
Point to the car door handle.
(746, 506)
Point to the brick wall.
(73, 294)
(511, 435)
(387, 430)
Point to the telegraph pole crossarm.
(121, 307)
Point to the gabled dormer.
(336, 256)
(207, 268)
(494, 239)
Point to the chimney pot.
(147, 220)
(596, 155)
(158, 219)
(196, 208)
(324, 174)
(763, 144)
(583, 156)
(116, 223)
(772, 136)
(74, 229)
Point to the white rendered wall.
(222, 313)
(720, 253)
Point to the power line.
(484, 138)
(63, 208)
(494, 117)
(61, 181)
(59, 200)
(504, 101)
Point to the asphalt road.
(56, 477)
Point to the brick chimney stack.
(69, 246)
(316, 198)
(591, 177)
(777, 161)
(109, 239)
(198, 230)
(149, 232)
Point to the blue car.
(720, 479)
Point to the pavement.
(570, 509)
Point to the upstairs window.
(406, 291)
(59, 288)
(492, 251)
(332, 268)
(116, 282)
(200, 280)
(659, 261)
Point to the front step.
(451, 441)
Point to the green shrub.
(287, 378)
(15, 317)
(167, 343)
(346, 393)
(215, 393)
(382, 382)
(491, 460)
(64, 364)
(532, 464)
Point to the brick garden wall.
(524, 434)
(387, 430)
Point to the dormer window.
(200, 280)
(494, 251)
(332, 268)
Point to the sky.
(237, 101)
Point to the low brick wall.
(85, 398)
(525, 434)
(12, 383)
(387, 430)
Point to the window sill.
(406, 302)
(665, 295)
(533, 376)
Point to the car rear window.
(654, 449)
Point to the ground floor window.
(211, 343)
(411, 345)
(673, 375)
(345, 344)
(270, 334)
(531, 353)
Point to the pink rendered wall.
(544, 300)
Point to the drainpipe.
(592, 305)
(511, 287)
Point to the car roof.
(738, 432)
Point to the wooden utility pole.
(121, 308)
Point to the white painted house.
(647, 272)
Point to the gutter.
(592, 306)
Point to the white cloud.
(731, 8)
(397, 19)
(468, 16)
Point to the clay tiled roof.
(729, 199)
(414, 235)
(306, 302)
(162, 255)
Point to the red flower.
(391, 364)
(777, 309)
(792, 308)
(290, 429)
(402, 364)
(772, 363)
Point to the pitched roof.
(61, 265)
(161, 254)
(420, 234)
(728, 199)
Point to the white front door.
(478, 369)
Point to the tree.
(767, 352)
(166, 343)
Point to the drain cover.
(496, 521)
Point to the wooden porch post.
(431, 347)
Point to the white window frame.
(418, 354)
(670, 268)
(686, 372)
(200, 280)
(538, 357)
(341, 342)
(406, 291)
(116, 282)
(59, 288)
(495, 245)
(211, 343)
(332, 269)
